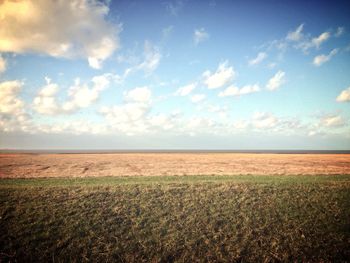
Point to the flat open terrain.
(176, 219)
(158, 207)
(154, 164)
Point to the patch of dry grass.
(160, 164)
(175, 219)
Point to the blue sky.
(174, 74)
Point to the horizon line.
(171, 150)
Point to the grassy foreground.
(176, 218)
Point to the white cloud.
(344, 96)
(222, 112)
(18, 122)
(170, 122)
(314, 42)
(249, 89)
(82, 96)
(133, 118)
(240, 124)
(12, 108)
(196, 125)
(59, 29)
(3, 64)
(305, 42)
(9, 101)
(101, 82)
(332, 121)
(299, 40)
(71, 126)
(45, 102)
(200, 35)
(138, 95)
(263, 120)
(162, 121)
(130, 117)
(229, 91)
(125, 113)
(185, 90)
(328, 124)
(79, 96)
(296, 35)
(313, 133)
(198, 98)
(223, 75)
(235, 91)
(321, 59)
(276, 81)
(258, 59)
(340, 31)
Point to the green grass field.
(176, 218)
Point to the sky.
(180, 74)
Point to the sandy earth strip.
(154, 164)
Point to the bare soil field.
(154, 164)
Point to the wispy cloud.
(295, 35)
(340, 31)
(200, 35)
(152, 58)
(272, 65)
(198, 98)
(167, 31)
(150, 61)
(174, 7)
(321, 59)
(276, 81)
(258, 59)
(317, 41)
(299, 40)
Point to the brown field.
(299, 214)
(153, 164)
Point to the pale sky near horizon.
(180, 74)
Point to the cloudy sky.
(179, 74)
